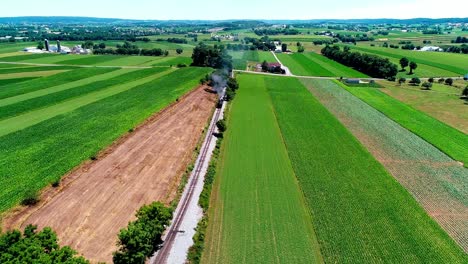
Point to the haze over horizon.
(241, 9)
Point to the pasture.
(72, 122)
(258, 214)
(434, 103)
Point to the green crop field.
(451, 141)
(259, 213)
(28, 102)
(312, 64)
(39, 146)
(360, 213)
(454, 63)
(49, 81)
(436, 181)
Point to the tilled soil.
(99, 198)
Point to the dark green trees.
(371, 65)
(215, 57)
(143, 237)
(35, 247)
(404, 62)
(412, 66)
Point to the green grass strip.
(107, 80)
(451, 141)
(50, 81)
(28, 119)
(34, 69)
(260, 214)
(34, 157)
(15, 80)
(361, 214)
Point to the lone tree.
(404, 62)
(412, 67)
(179, 51)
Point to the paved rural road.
(178, 238)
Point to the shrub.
(431, 80)
(449, 81)
(426, 86)
(56, 183)
(441, 80)
(221, 124)
(181, 65)
(415, 81)
(401, 80)
(30, 198)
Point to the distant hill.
(95, 20)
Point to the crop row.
(49, 81)
(121, 76)
(448, 139)
(259, 215)
(434, 179)
(360, 213)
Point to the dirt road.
(100, 198)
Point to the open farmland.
(436, 181)
(360, 213)
(438, 63)
(259, 214)
(39, 146)
(312, 64)
(451, 141)
(144, 167)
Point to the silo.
(59, 48)
(46, 42)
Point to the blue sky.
(240, 9)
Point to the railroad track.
(163, 253)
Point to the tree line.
(371, 65)
(128, 49)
